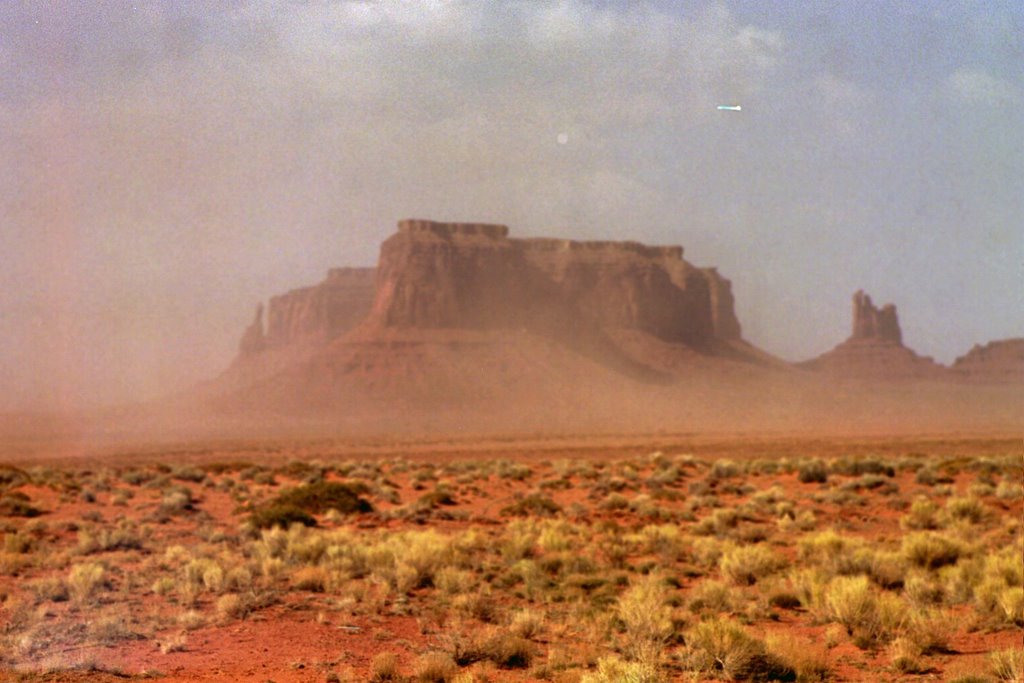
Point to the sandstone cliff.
(313, 315)
(472, 276)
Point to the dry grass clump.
(809, 661)
(867, 615)
(313, 579)
(614, 669)
(52, 589)
(723, 647)
(745, 565)
(126, 536)
(410, 560)
(280, 516)
(923, 515)
(929, 631)
(108, 629)
(384, 667)
(435, 667)
(646, 618)
(176, 500)
(905, 656)
(718, 523)
(532, 504)
(931, 550)
(1008, 665)
(233, 606)
(86, 580)
(970, 510)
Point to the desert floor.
(572, 558)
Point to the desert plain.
(539, 558)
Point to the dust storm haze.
(165, 166)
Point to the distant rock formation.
(253, 339)
(464, 310)
(997, 361)
(639, 310)
(473, 276)
(312, 315)
(874, 323)
(460, 319)
(723, 308)
(875, 348)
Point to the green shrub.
(923, 514)
(322, 496)
(283, 516)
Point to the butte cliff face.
(875, 348)
(472, 276)
(312, 316)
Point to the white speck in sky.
(563, 138)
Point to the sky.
(165, 166)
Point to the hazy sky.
(166, 165)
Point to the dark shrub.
(533, 504)
(813, 472)
(299, 504)
(282, 516)
(323, 496)
(17, 504)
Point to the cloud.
(980, 87)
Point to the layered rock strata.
(435, 275)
